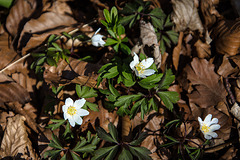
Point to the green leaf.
(168, 144)
(104, 23)
(141, 152)
(88, 148)
(125, 49)
(113, 90)
(112, 33)
(152, 103)
(102, 152)
(67, 35)
(80, 144)
(57, 46)
(113, 131)
(172, 122)
(74, 156)
(125, 155)
(95, 140)
(162, 46)
(135, 108)
(173, 36)
(112, 153)
(51, 38)
(64, 157)
(56, 141)
(132, 22)
(114, 12)
(141, 137)
(110, 41)
(123, 110)
(158, 13)
(167, 79)
(85, 91)
(112, 72)
(171, 138)
(120, 30)
(122, 100)
(57, 125)
(107, 15)
(157, 22)
(125, 20)
(52, 153)
(92, 106)
(40, 61)
(168, 98)
(105, 67)
(51, 61)
(116, 47)
(104, 135)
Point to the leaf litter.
(201, 68)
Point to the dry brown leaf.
(77, 71)
(15, 141)
(185, 15)
(46, 22)
(19, 14)
(226, 36)
(226, 69)
(209, 12)
(177, 51)
(11, 91)
(209, 89)
(7, 54)
(203, 49)
(149, 38)
(230, 154)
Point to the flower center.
(71, 110)
(205, 128)
(140, 68)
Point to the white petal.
(200, 120)
(82, 112)
(207, 119)
(71, 121)
(77, 119)
(65, 115)
(79, 103)
(135, 61)
(148, 72)
(213, 134)
(214, 127)
(147, 62)
(214, 121)
(97, 31)
(69, 102)
(140, 74)
(95, 44)
(207, 136)
(64, 108)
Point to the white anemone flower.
(73, 112)
(208, 126)
(140, 68)
(97, 39)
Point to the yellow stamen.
(205, 128)
(71, 110)
(140, 68)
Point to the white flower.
(208, 126)
(140, 68)
(72, 111)
(97, 39)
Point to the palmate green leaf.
(171, 138)
(125, 49)
(67, 132)
(112, 72)
(92, 106)
(158, 13)
(162, 46)
(167, 79)
(104, 23)
(95, 140)
(125, 155)
(88, 148)
(123, 110)
(133, 21)
(112, 89)
(141, 152)
(58, 123)
(112, 33)
(135, 108)
(57, 47)
(51, 38)
(105, 67)
(120, 30)
(116, 47)
(166, 40)
(168, 144)
(172, 122)
(142, 136)
(51, 61)
(125, 20)
(157, 23)
(113, 131)
(123, 99)
(64, 157)
(128, 82)
(114, 14)
(152, 104)
(112, 153)
(144, 108)
(56, 143)
(102, 152)
(104, 135)
(74, 156)
(173, 36)
(51, 153)
(168, 98)
(85, 91)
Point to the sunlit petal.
(147, 62)
(79, 103)
(82, 112)
(214, 127)
(148, 72)
(134, 62)
(77, 119)
(71, 121)
(65, 108)
(69, 102)
(207, 119)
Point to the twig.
(229, 90)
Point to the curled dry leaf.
(11, 91)
(209, 12)
(185, 15)
(177, 51)
(149, 38)
(76, 71)
(226, 69)
(19, 14)
(203, 49)
(46, 22)
(226, 36)
(15, 140)
(209, 89)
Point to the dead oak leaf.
(15, 140)
(209, 89)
